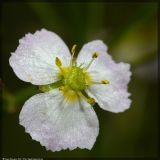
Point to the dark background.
(130, 31)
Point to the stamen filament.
(102, 82)
(89, 100)
(94, 56)
(73, 50)
(80, 65)
(89, 64)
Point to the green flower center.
(76, 79)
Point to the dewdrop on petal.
(62, 115)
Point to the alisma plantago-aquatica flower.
(62, 116)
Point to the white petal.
(58, 124)
(110, 98)
(114, 96)
(34, 59)
(118, 74)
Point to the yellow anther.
(91, 100)
(105, 82)
(61, 88)
(73, 49)
(58, 62)
(95, 55)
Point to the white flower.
(62, 116)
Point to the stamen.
(73, 50)
(61, 88)
(105, 82)
(102, 82)
(94, 56)
(58, 63)
(80, 65)
(89, 100)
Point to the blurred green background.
(130, 31)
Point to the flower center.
(73, 79)
(76, 79)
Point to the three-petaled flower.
(62, 116)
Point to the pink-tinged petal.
(58, 124)
(110, 98)
(114, 96)
(34, 59)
